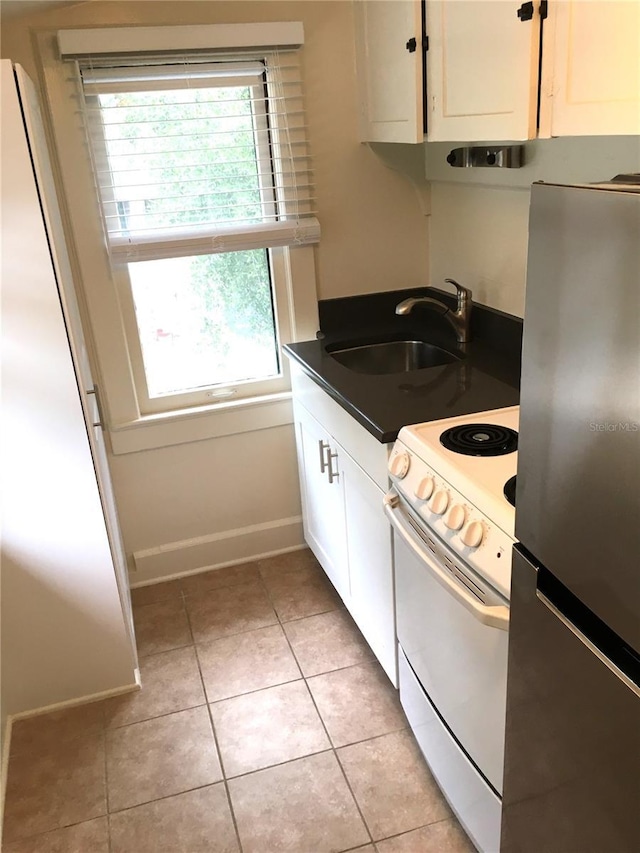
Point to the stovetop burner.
(480, 439)
(510, 490)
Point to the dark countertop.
(486, 377)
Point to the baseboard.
(242, 545)
(80, 700)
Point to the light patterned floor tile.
(446, 836)
(230, 610)
(357, 703)
(170, 682)
(89, 837)
(161, 627)
(161, 757)
(392, 784)
(327, 641)
(44, 731)
(217, 578)
(55, 787)
(196, 822)
(268, 727)
(245, 662)
(304, 806)
(300, 593)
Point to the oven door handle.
(496, 616)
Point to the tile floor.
(264, 724)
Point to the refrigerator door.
(64, 634)
(578, 493)
(61, 263)
(572, 766)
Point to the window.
(203, 176)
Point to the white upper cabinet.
(591, 68)
(482, 70)
(482, 64)
(390, 70)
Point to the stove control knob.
(424, 489)
(439, 502)
(399, 465)
(473, 534)
(456, 517)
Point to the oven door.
(454, 634)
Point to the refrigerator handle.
(100, 421)
(587, 642)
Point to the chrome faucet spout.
(407, 305)
(459, 319)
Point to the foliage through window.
(202, 170)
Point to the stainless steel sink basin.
(391, 356)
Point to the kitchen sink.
(391, 356)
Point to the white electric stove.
(459, 495)
(451, 508)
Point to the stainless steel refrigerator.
(572, 758)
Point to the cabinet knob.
(412, 45)
(525, 12)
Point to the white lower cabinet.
(370, 562)
(322, 499)
(342, 482)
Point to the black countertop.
(487, 376)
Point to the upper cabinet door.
(482, 69)
(591, 68)
(390, 70)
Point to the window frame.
(266, 167)
(203, 395)
(102, 302)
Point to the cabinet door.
(390, 75)
(370, 564)
(482, 70)
(322, 499)
(591, 68)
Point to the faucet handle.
(464, 294)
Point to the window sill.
(197, 424)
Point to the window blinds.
(195, 155)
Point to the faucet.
(459, 318)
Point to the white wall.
(479, 217)
(190, 504)
(373, 236)
(204, 499)
(479, 238)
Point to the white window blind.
(199, 154)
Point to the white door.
(322, 498)
(370, 564)
(591, 68)
(390, 70)
(482, 70)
